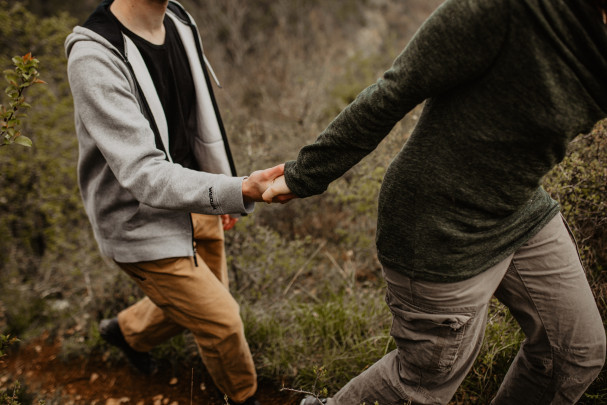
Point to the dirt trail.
(93, 381)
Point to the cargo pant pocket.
(429, 340)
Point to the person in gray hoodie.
(462, 215)
(158, 180)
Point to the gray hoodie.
(137, 200)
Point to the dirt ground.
(93, 381)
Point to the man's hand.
(278, 191)
(228, 222)
(254, 185)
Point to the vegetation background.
(305, 273)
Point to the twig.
(332, 259)
(298, 391)
(89, 288)
(309, 294)
(324, 242)
(301, 392)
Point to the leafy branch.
(5, 342)
(321, 374)
(24, 75)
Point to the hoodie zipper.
(157, 136)
(193, 241)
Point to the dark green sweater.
(507, 85)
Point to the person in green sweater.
(507, 84)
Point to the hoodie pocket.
(145, 217)
(212, 156)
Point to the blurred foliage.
(579, 183)
(12, 393)
(78, 9)
(303, 306)
(18, 394)
(306, 274)
(5, 342)
(46, 243)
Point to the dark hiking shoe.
(250, 401)
(310, 400)
(111, 333)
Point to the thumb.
(276, 171)
(269, 194)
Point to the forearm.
(110, 122)
(352, 135)
(454, 46)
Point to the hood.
(99, 27)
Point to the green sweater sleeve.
(457, 44)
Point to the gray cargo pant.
(438, 329)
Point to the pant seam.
(572, 236)
(550, 345)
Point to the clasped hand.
(267, 185)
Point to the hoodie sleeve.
(109, 116)
(455, 45)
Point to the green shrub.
(12, 392)
(24, 75)
(303, 310)
(579, 183)
(46, 239)
(341, 332)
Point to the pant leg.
(193, 297)
(547, 292)
(145, 318)
(145, 325)
(438, 329)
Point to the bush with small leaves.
(24, 75)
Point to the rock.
(117, 401)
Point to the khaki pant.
(182, 295)
(438, 329)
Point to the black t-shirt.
(170, 71)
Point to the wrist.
(246, 191)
